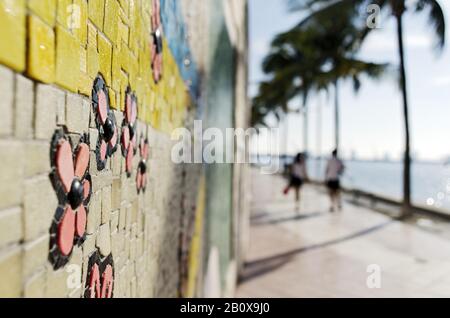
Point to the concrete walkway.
(315, 253)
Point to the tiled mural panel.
(91, 204)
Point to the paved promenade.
(315, 253)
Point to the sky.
(371, 121)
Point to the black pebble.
(143, 167)
(108, 129)
(76, 194)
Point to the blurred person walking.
(298, 176)
(334, 169)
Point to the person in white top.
(298, 176)
(335, 168)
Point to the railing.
(374, 199)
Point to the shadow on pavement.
(262, 220)
(265, 265)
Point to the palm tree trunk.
(336, 115)
(305, 130)
(319, 135)
(286, 134)
(406, 207)
(285, 137)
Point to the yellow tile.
(92, 35)
(133, 71)
(93, 64)
(116, 69)
(83, 60)
(84, 80)
(132, 43)
(112, 99)
(112, 20)
(152, 100)
(124, 16)
(67, 60)
(157, 119)
(81, 31)
(85, 84)
(13, 34)
(150, 96)
(105, 51)
(143, 62)
(124, 58)
(124, 84)
(147, 7)
(118, 101)
(46, 9)
(96, 11)
(41, 51)
(124, 5)
(140, 90)
(137, 31)
(63, 12)
(140, 87)
(123, 32)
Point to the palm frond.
(436, 19)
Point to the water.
(430, 181)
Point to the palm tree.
(322, 58)
(272, 98)
(289, 63)
(305, 60)
(349, 68)
(327, 8)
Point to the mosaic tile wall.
(90, 203)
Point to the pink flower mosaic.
(157, 42)
(106, 123)
(141, 175)
(100, 277)
(129, 134)
(73, 186)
